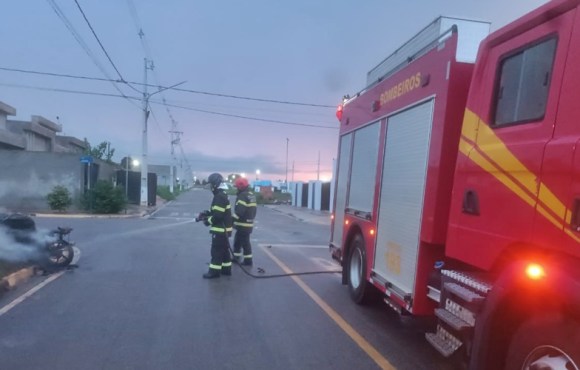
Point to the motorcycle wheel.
(62, 255)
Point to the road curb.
(313, 219)
(16, 278)
(56, 215)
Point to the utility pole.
(292, 171)
(144, 169)
(286, 178)
(174, 141)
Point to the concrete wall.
(292, 189)
(27, 177)
(311, 194)
(163, 174)
(316, 193)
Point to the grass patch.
(163, 192)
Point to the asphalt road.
(138, 301)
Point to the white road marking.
(28, 294)
(160, 208)
(50, 279)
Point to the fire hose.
(262, 271)
(203, 217)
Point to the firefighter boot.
(227, 270)
(247, 261)
(212, 274)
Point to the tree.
(59, 198)
(104, 198)
(102, 151)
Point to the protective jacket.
(220, 219)
(245, 211)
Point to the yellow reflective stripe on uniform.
(229, 206)
(246, 204)
(247, 256)
(237, 254)
(226, 264)
(243, 224)
(235, 216)
(218, 229)
(218, 208)
(209, 219)
(229, 229)
(215, 267)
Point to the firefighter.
(219, 219)
(244, 214)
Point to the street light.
(257, 174)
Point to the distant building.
(164, 174)
(8, 139)
(37, 135)
(70, 144)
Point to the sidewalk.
(132, 211)
(303, 214)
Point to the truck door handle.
(470, 202)
(575, 216)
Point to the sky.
(306, 51)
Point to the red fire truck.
(457, 188)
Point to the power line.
(249, 118)
(80, 92)
(164, 87)
(99, 40)
(149, 55)
(83, 44)
(51, 89)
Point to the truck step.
(452, 320)
(443, 342)
(463, 293)
(466, 279)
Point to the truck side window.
(521, 91)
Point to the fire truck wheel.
(360, 289)
(545, 342)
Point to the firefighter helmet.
(215, 180)
(241, 183)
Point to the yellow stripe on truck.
(469, 128)
(480, 144)
(498, 152)
(496, 172)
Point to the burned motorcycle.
(24, 243)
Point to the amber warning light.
(535, 271)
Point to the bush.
(163, 192)
(59, 198)
(104, 198)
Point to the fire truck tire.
(545, 342)
(361, 291)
